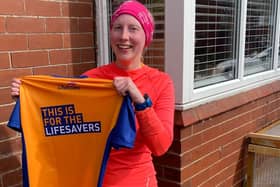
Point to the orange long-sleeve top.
(154, 127)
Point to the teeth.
(124, 46)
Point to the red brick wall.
(210, 140)
(39, 37)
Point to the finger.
(14, 93)
(16, 81)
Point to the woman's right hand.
(15, 87)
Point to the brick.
(5, 112)
(5, 96)
(86, 25)
(77, 9)
(172, 174)
(9, 163)
(12, 7)
(206, 174)
(191, 142)
(18, 185)
(274, 116)
(157, 44)
(155, 52)
(169, 160)
(276, 86)
(176, 133)
(5, 61)
(78, 69)
(234, 123)
(159, 170)
(230, 147)
(42, 8)
(62, 25)
(186, 183)
(175, 147)
(204, 125)
(212, 133)
(2, 25)
(165, 183)
(213, 170)
(10, 146)
(29, 59)
(78, 40)
(186, 159)
(266, 90)
(45, 41)
(199, 165)
(236, 101)
(222, 175)
(207, 110)
(65, 56)
(87, 55)
(6, 132)
(156, 61)
(186, 132)
(13, 42)
(7, 75)
(51, 70)
(85, 0)
(235, 181)
(13, 178)
(184, 118)
(25, 25)
(202, 150)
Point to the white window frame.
(179, 54)
(180, 35)
(102, 30)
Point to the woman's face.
(127, 41)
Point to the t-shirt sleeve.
(124, 133)
(14, 121)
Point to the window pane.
(259, 36)
(154, 55)
(215, 41)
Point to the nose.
(124, 34)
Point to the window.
(260, 25)
(216, 39)
(215, 42)
(212, 48)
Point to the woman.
(151, 91)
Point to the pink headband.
(141, 13)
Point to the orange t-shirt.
(69, 126)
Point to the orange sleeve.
(156, 123)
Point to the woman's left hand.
(125, 85)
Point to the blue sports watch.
(142, 106)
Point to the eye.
(133, 28)
(117, 27)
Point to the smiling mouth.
(122, 46)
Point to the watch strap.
(142, 106)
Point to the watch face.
(143, 106)
(148, 102)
